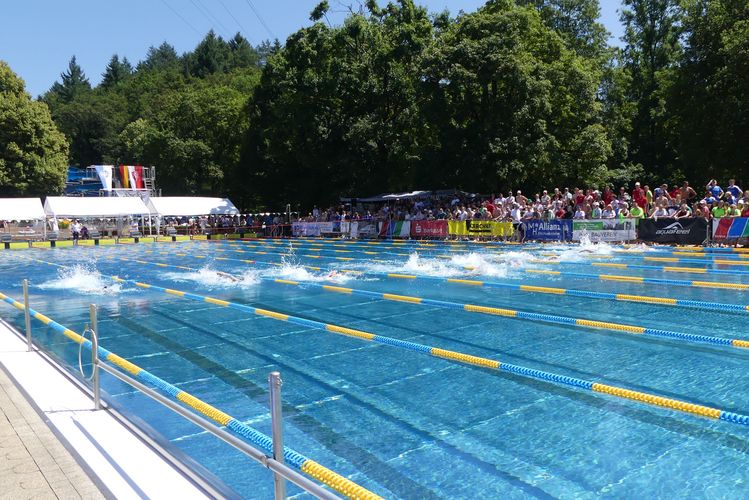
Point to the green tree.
(163, 57)
(73, 82)
(509, 105)
(336, 109)
(650, 56)
(33, 153)
(711, 94)
(578, 23)
(116, 72)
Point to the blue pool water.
(401, 423)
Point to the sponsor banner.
(551, 230)
(366, 228)
(395, 229)
(690, 231)
(314, 228)
(429, 229)
(730, 227)
(604, 229)
(479, 228)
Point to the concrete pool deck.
(53, 445)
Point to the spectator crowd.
(640, 202)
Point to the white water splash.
(211, 278)
(297, 272)
(84, 280)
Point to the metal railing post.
(26, 313)
(95, 357)
(274, 381)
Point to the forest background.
(518, 94)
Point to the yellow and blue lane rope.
(256, 438)
(663, 301)
(603, 277)
(738, 260)
(620, 392)
(508, 313)
(619, 265)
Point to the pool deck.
(34, 464)
(53, 445)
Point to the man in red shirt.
(638, 195)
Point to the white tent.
(185, 206)
(81, 207)
(18, 209)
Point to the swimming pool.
(400, 422)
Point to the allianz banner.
(730, 228)
(690, 231)
(604, 229)
(551, 230)
(479, 228)
(429, 229)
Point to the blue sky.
(38, 37)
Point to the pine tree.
(72, 82)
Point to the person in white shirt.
(75, 230)
(579, 213)
(516, 213)
(608, 212)
(661, 211)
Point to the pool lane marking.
(619, 265)
(482, 362)
(603, 277)
(666, 301)
(736, 261)
(256, 438)
(510, 313)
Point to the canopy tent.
(81, 207)
(18, 209)
(185, 206)
(396, 196)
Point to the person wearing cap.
(638, 195)
(623, 211)
(596, 212)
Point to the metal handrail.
(252, 452)
(280, 470)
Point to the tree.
(577, 22)
(336, 109)
(709, 97)
(73, 83)
(650, 56)
(509, 105)
(116, 72)
(33, 153)
(162, 58)
(242, 54)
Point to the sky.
(38, 37)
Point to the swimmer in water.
(228, 276)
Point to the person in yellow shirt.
(637, 212)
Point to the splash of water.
(297, 272)
(83, 279)
(210, 278)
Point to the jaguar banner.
(688, 231)
(487, 228)
(604, 229)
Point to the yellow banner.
(479, 228)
